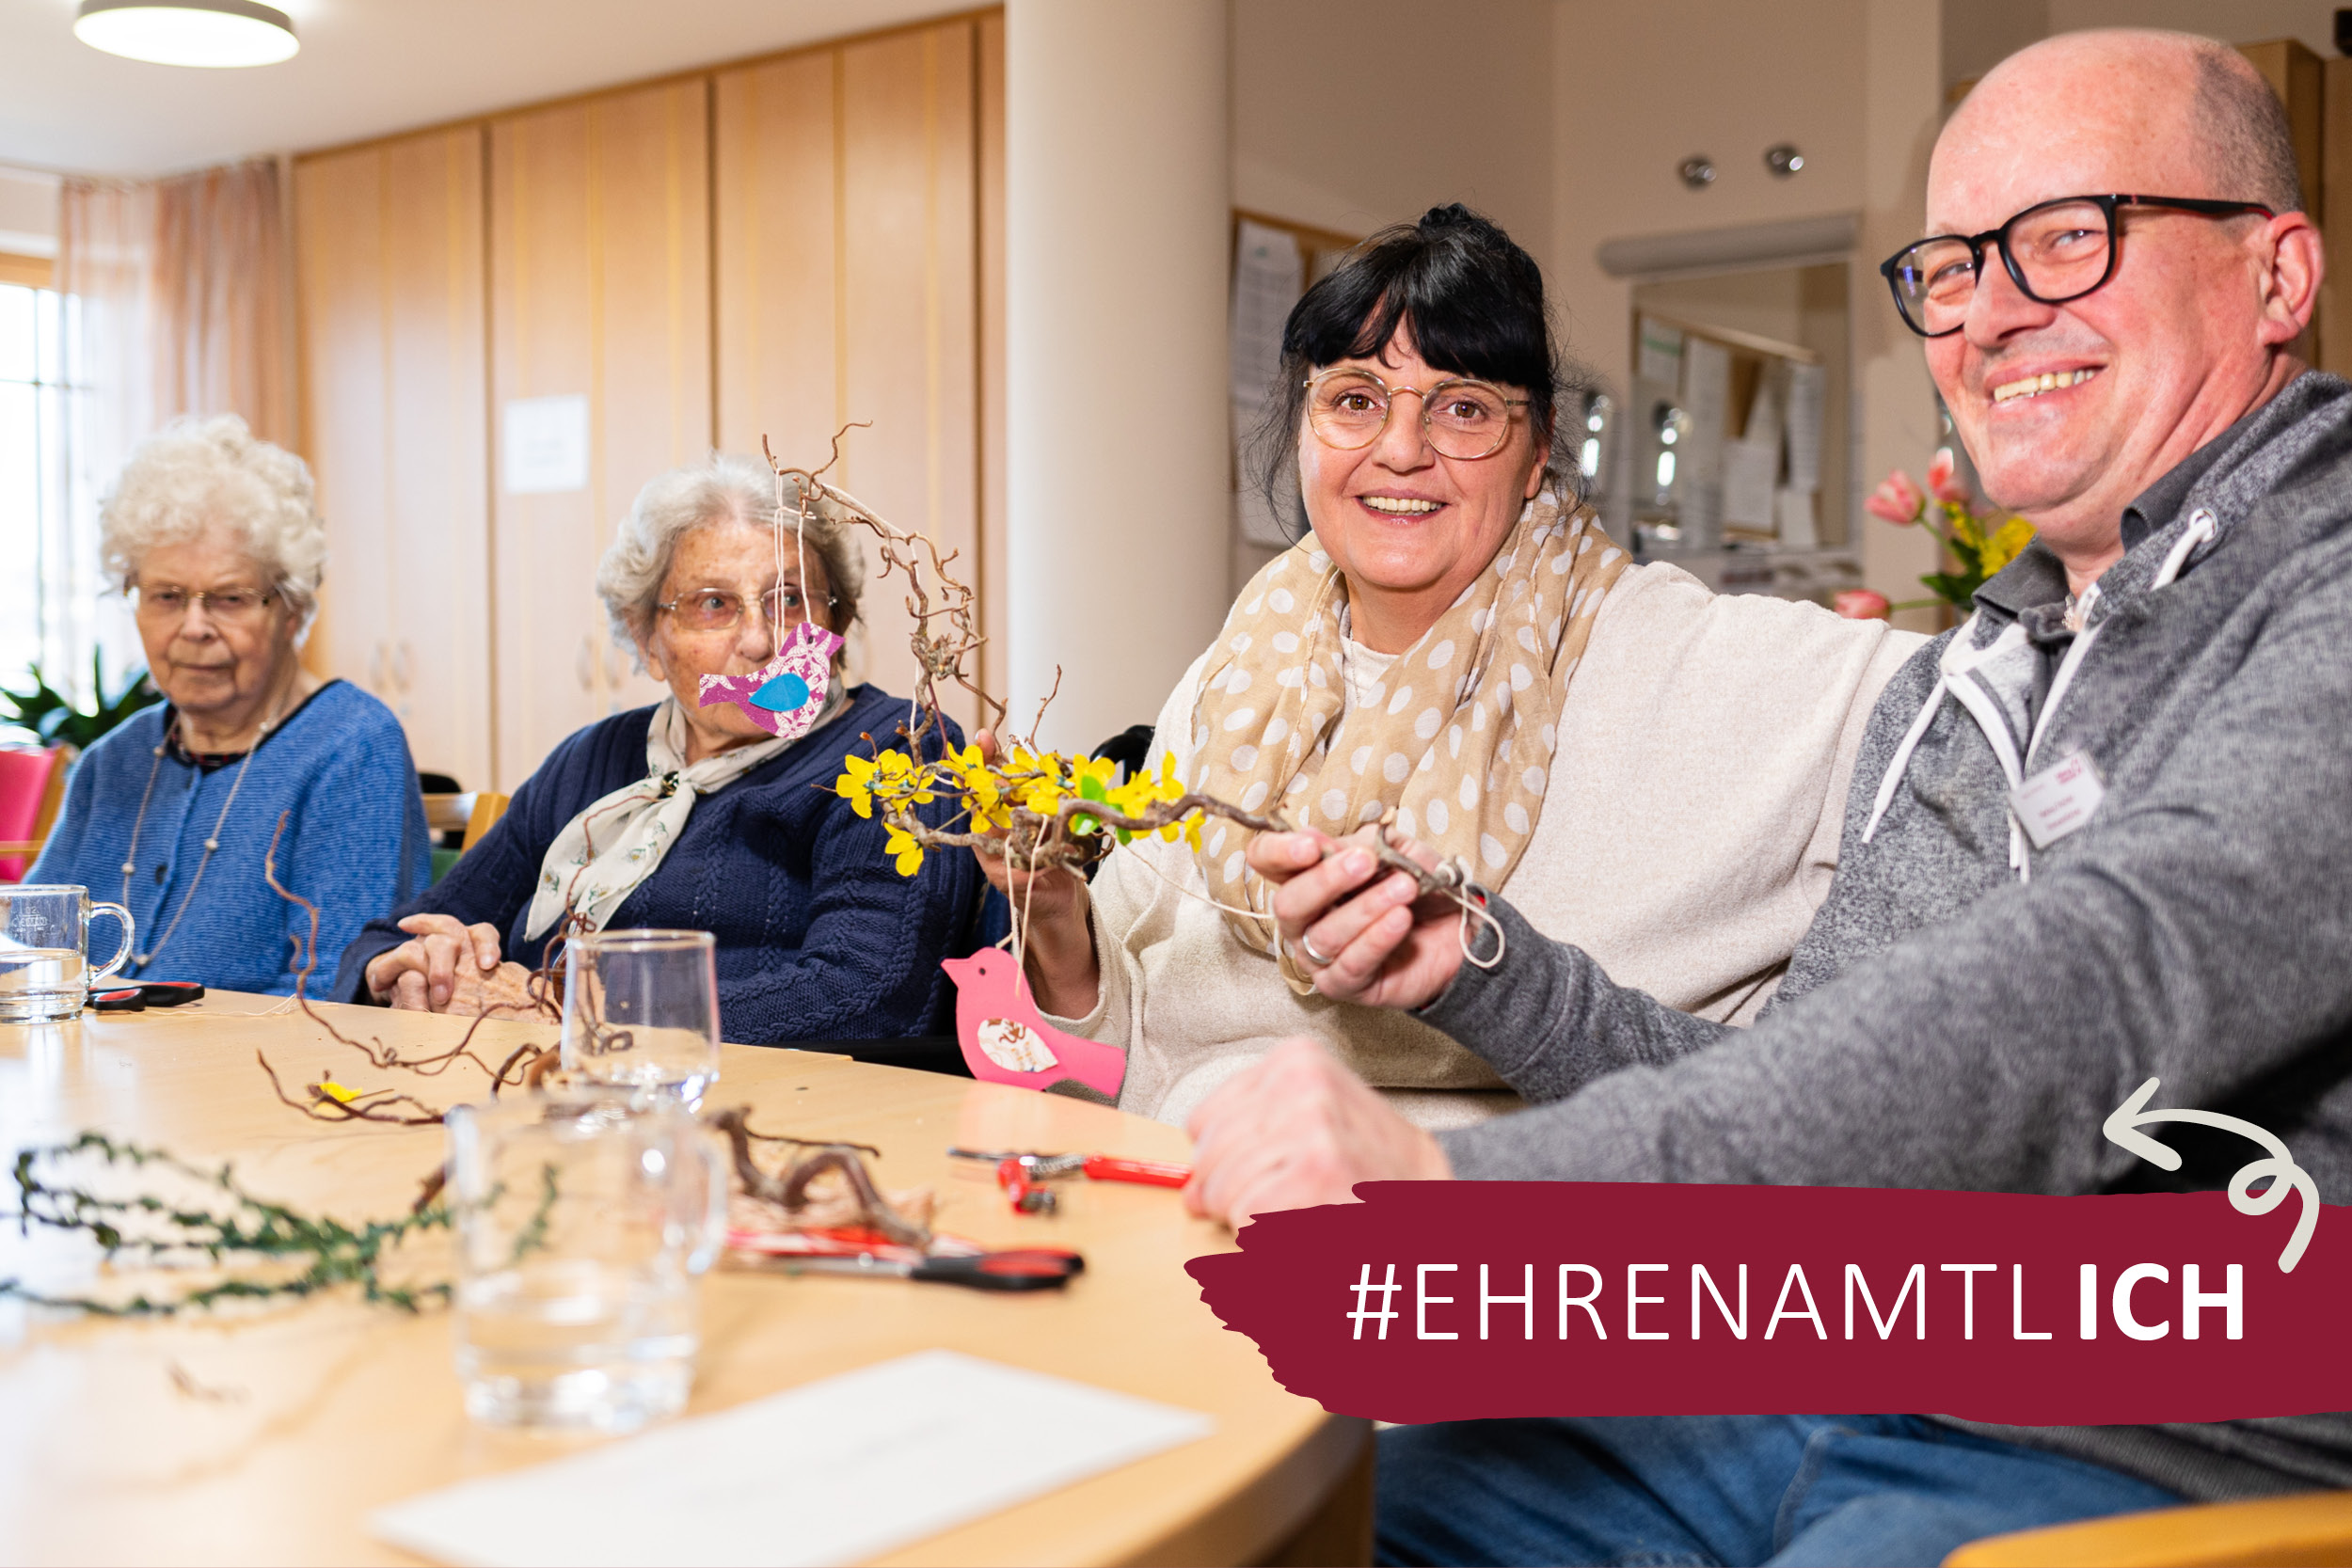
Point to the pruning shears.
(1023, 1176)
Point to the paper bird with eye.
(786, 695)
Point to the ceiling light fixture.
(208, 33)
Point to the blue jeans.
(1721, 1489)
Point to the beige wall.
(1326, 133)
(1638, 88)
(2231, 21)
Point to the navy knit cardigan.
(819, 938)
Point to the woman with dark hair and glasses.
(1656, 772)
(704, 817)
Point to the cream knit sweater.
(1689, 830)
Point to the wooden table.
(267, 1434)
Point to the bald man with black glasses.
(2099, 833)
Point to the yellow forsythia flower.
(336, 1091)
(2006, 545)
(901, 846)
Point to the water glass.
(44, 951)
(641, 1008)
(584, 1219)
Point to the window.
(51, 612)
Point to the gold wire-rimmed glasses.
(1461, 417)
(718, 609)
(168, 604)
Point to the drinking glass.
(584, 1219)
(44, 948)
(641, 1008)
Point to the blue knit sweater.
(819, 936)
(355, 843)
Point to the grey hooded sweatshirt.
(1968, 1007)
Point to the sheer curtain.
(178, 301)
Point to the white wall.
(1354, 114)
(1117, 198)
(1638, 88)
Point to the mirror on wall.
(1730, 453)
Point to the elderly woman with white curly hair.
(215, 538)
(682, 815)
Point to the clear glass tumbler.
(641, 1008)
(584, 1219)
(44, 951)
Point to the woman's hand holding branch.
(1050, 914)
(1367, 932)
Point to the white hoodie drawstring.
(1959, 660)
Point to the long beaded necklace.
(211, 840)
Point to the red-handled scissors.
(1097, 1167)
(1020, 1269)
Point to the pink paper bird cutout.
(785, 695)
(1006, 1040)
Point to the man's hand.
(1297, 1129)
(1387, 945)
(425, 972)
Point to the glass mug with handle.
(641, 1010)
(44, 951)
(585, 1216)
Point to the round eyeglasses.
(717, 610)
(2055, 252)
(167, 606)
(1348, 408)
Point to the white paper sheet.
(1706, 394)
(543, 447)
(1807, 385)
(838, 1472)
(1749, 469)
(1793, 508)
(1660, 359)
(1267, 281)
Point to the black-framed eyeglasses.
(2054, 251)
(717, 610)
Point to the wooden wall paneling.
(908, 309)
(848, 290)
(600, 286)
(989, 71)
(775, 230)
(437, 490)
(2334, 181)
(338, 293)
(390, 250)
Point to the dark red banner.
(1442, 1301)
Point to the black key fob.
(128, 1000)
(170, 994)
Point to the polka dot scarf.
(1457, 737)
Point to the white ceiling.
(368, 66)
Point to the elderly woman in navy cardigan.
(682, 816)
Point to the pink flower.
(1861, 604)
(1940, 481)
(1897, 500)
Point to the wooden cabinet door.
(848, 290)
(599, 290)
(389, 241)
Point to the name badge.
(2058, 799)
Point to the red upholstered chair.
(32, 787)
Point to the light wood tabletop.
(267, 1433)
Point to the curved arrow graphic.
(2122, 1130)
